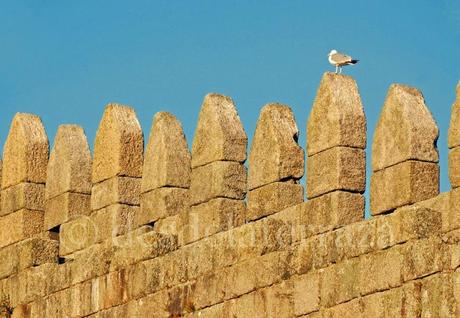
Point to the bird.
(339, 59)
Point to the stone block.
(438, 296)
(340, 283)
(66, 207)
(25, 153)
(219, 134)
(22, 224)
(119, 145)
(412, 222)
(167, 159)
(306, 293)
(350, 309)
(380, 271)
(212, 217)
(110, 290)
(337, 116)
(354, 240)
(275, 154)
(454, 167)
(104, 224)
(403, 184)
(422, 257)
(161, 203)
(405, 131)
(225, 179)
(69, 166)
(278, 300)
(454, 127)
(123, 190)
(142, 247)
(338, 168)
(23, 196)
(331, 211)
(273, 198)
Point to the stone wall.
(169, 233)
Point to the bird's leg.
(336, 69)
(340, 69)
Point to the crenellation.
(454, 142)
(68, 181)
(171, 233)
(276, 163)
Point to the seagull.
(339, 60)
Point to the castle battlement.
(169, 232)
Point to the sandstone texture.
(170, 234)
(275, 154)
(406, 129)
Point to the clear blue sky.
(64, 60)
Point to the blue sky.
(64, 60)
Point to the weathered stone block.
(405, 131)
(142, 247)
(69, 167)
(104, 224)
(161, 203)
(340, 283)
(25, 154)
(306, 293)
(337, 116)
(21, 224)
(422, 257)
(65, 207)
(338, 168)
(212, 217)
(454, 128)
(119, 145)
(275, 154)
(219, 134)
(226, 179)
(438, 298)
(167, 158)
(278, 300)
(412, 222)
(354, 240)
(332, 210)
(273, 198)
(350, 309)
(403, 184)
(23, 196)
(380, 271)
(454, 167)
(124, 190)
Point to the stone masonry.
(172, 232)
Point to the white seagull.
(339, 59)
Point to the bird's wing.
(340, 58)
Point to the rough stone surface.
(69, 167)
(66, 207)
(337, 116)
(338, 168)
(454, 167)
(119, 145)
(124, 190)
(25, 154)
(275, 154)
(161, 203)
(405, 131)
(167, 158)
(21, 225)
(273, 198)
(105, 224)
(212, 217)
(403, 184)
(23, 196)
(219, 134)
(225, 179)
(454, 128)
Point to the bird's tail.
(354, 61)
